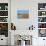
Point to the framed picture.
(42, 33)
(3, 19)
(4, 29)
(41, 6)
(22, 14)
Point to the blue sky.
(22, 11)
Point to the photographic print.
(22, 14)
(42, 32)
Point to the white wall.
(23, 24)
(32, 5)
